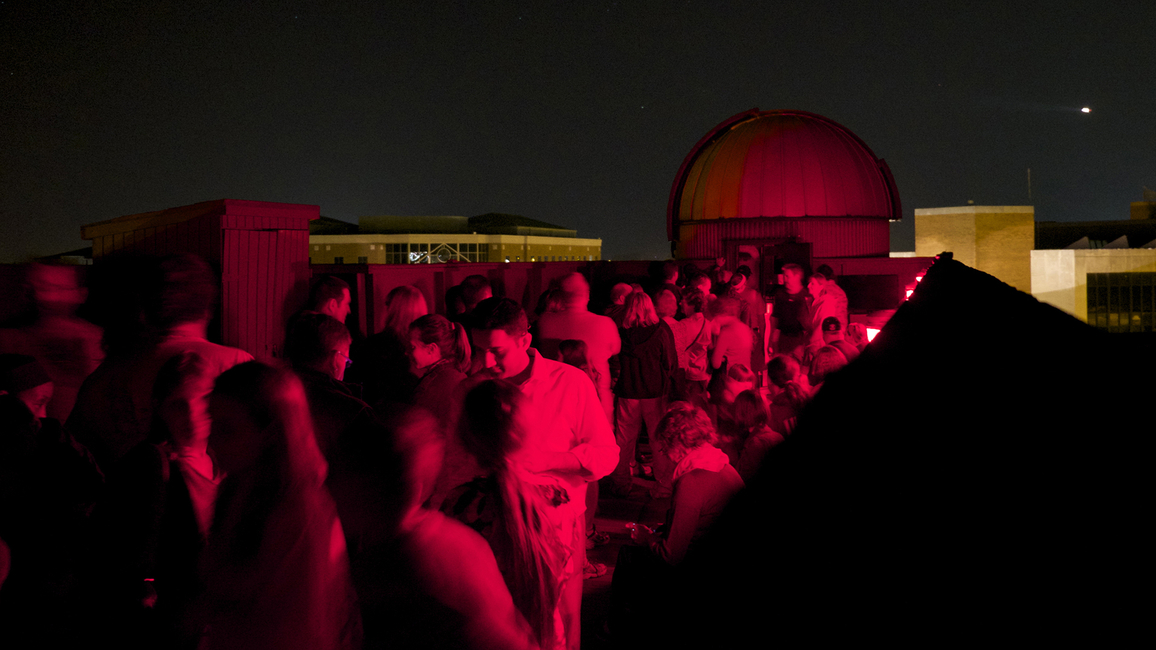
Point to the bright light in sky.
(1085, 110)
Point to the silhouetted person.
(113, 411)
(383, 366)
(330, 296)
(833, 336)
(790, 313)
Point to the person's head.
(826, 361)
(24, 378)
(403, 305)
(433, 338)
(492, 425)
(826, 273)
(685, 427)
(319, 342)
(330, 296)
(857, 335)
(815, 285)
(749, 412)
(670, 272)
(793, 277)
(56, 289)
(550, 302)
(693, 302)
(726, 307)
(665, 303)
(832, 330)
(575, 291)
(574, 352)
(475, 288)
(739, 378)
(738, 283)
(261, 423)
(500, 334)
(178, 400)
(619, 292)
(783, 369)
(639, 311)
(182, 291)
(700, 281)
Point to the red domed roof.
(781, 164)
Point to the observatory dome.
(780, 164)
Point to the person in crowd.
(790, 313)
(383, 367)
(833, 336)
(113, 411)
(696, 340)
(838, 296)
(617, 307)
(575, 321)
(575, 352)
(753, 313)
(825, 361)
(475, 288)
(827, 301)
(48, 486)
(276, 570)
(732, 342)
(432, 582)
(666, 301)
(789, 392)
(515, 511)
(330, 296)
(68, 346)
(439, 352)
(550, 302)
(857, 335)
(648, 360)
(569, 436)
(703, 283)
(670, 274)
(750, 416)
(154, 519)
(704, 482)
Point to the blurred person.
(69, 347)
(113, 411)
(732, 341)
(703, 283)
(754, 314)
(574, 321)
(857, 335)
(439, 353)
(825, 304)
(838, 296)
(155, 517)
(434, 582)
(648, 360)
(790, 313)
(704, 482)
(833, 336)
(695, 340)
(756, 438)
(569, 435)
(276, 570)
(384, 364)
(789, 392)
(475, 288)
(515, 511)
(48, 486)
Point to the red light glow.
(871, 333)
(909, 292)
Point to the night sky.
(575, 113)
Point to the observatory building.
(765, 188)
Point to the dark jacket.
(648, 360)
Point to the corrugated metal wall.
(829, 237)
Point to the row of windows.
(442, 253)
(1122, 302)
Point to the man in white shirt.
(568, 436)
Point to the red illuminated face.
(815, 286)
(340, 309)
(502, 355)
(423, 355)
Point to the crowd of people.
(432, 485)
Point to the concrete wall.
(1060, 277)
(994, 239)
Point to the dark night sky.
(576, 113)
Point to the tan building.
(1110, 288)
(440, 239)
(994, 239)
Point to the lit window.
(327, 247)
(316, 248)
